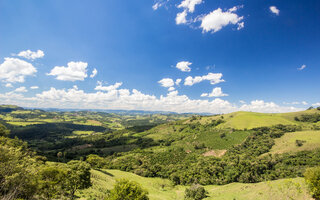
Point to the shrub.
(127, 190)
(312, 177)
(299, 143)
(195, 192)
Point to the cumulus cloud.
(166, 82)
(15, 70)
(214, 78)
(217, 19)
(94, 73)
(116, 98)
(8, 85)
(31, 55)
(189, 5)
(316, 104)
(184, 66)
(34, 87)
(107, 88)
(302, 67)
(21, 89)
(269, 107)
(216, 92)
(181, 17)
(178, 81)
(76, 71)
(296, 103)
(274, 10)
(171, 89)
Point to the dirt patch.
(215, 153)
(79, 147)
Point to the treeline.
(24, 175)
(313, 118)
(247, 162)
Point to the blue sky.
(233, 55)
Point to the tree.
(312, 177)
(51, 183)
(3, 131)
(195, 192)
(95, 161)
(78, 176)
(59, 154)
(127, 190)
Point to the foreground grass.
(162, 189)
(287, 143)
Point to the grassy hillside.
(160, 189)
(287, 143)
(249, 120)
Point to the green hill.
(160, 189)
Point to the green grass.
(83, 132)
(287, 143)
(24, 123)
(162, 189)
(249, 120)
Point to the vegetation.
(68, 155)
(196, 192)
(127, 190)
(312, 176)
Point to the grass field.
(24, 123)
(162, 189)
(287, 143)
(249, 120)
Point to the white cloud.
(21, 89)
(216, 92)
(181, 17)
(15, 70)
(178, 81)
(241, 101)
(156, 6)
(268, 107)
(171, 89)
(296, 103)
(184, 66)
(214, 78)
(94, 73)
(159, 3)
(107, 88)
(302, 67)
(189, 4)
(217, 19)
(34, 87)
(316, 104)
(240, 25)
(134, 100)
(274, 10)
(166, 82)
(76, 71)
(31, 55)
(8, 85)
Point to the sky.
(182, 56)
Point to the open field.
(162, 189)
(287, 143)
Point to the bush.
(312, 177)
(299, 143)
(127, 190)
(195, 192)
